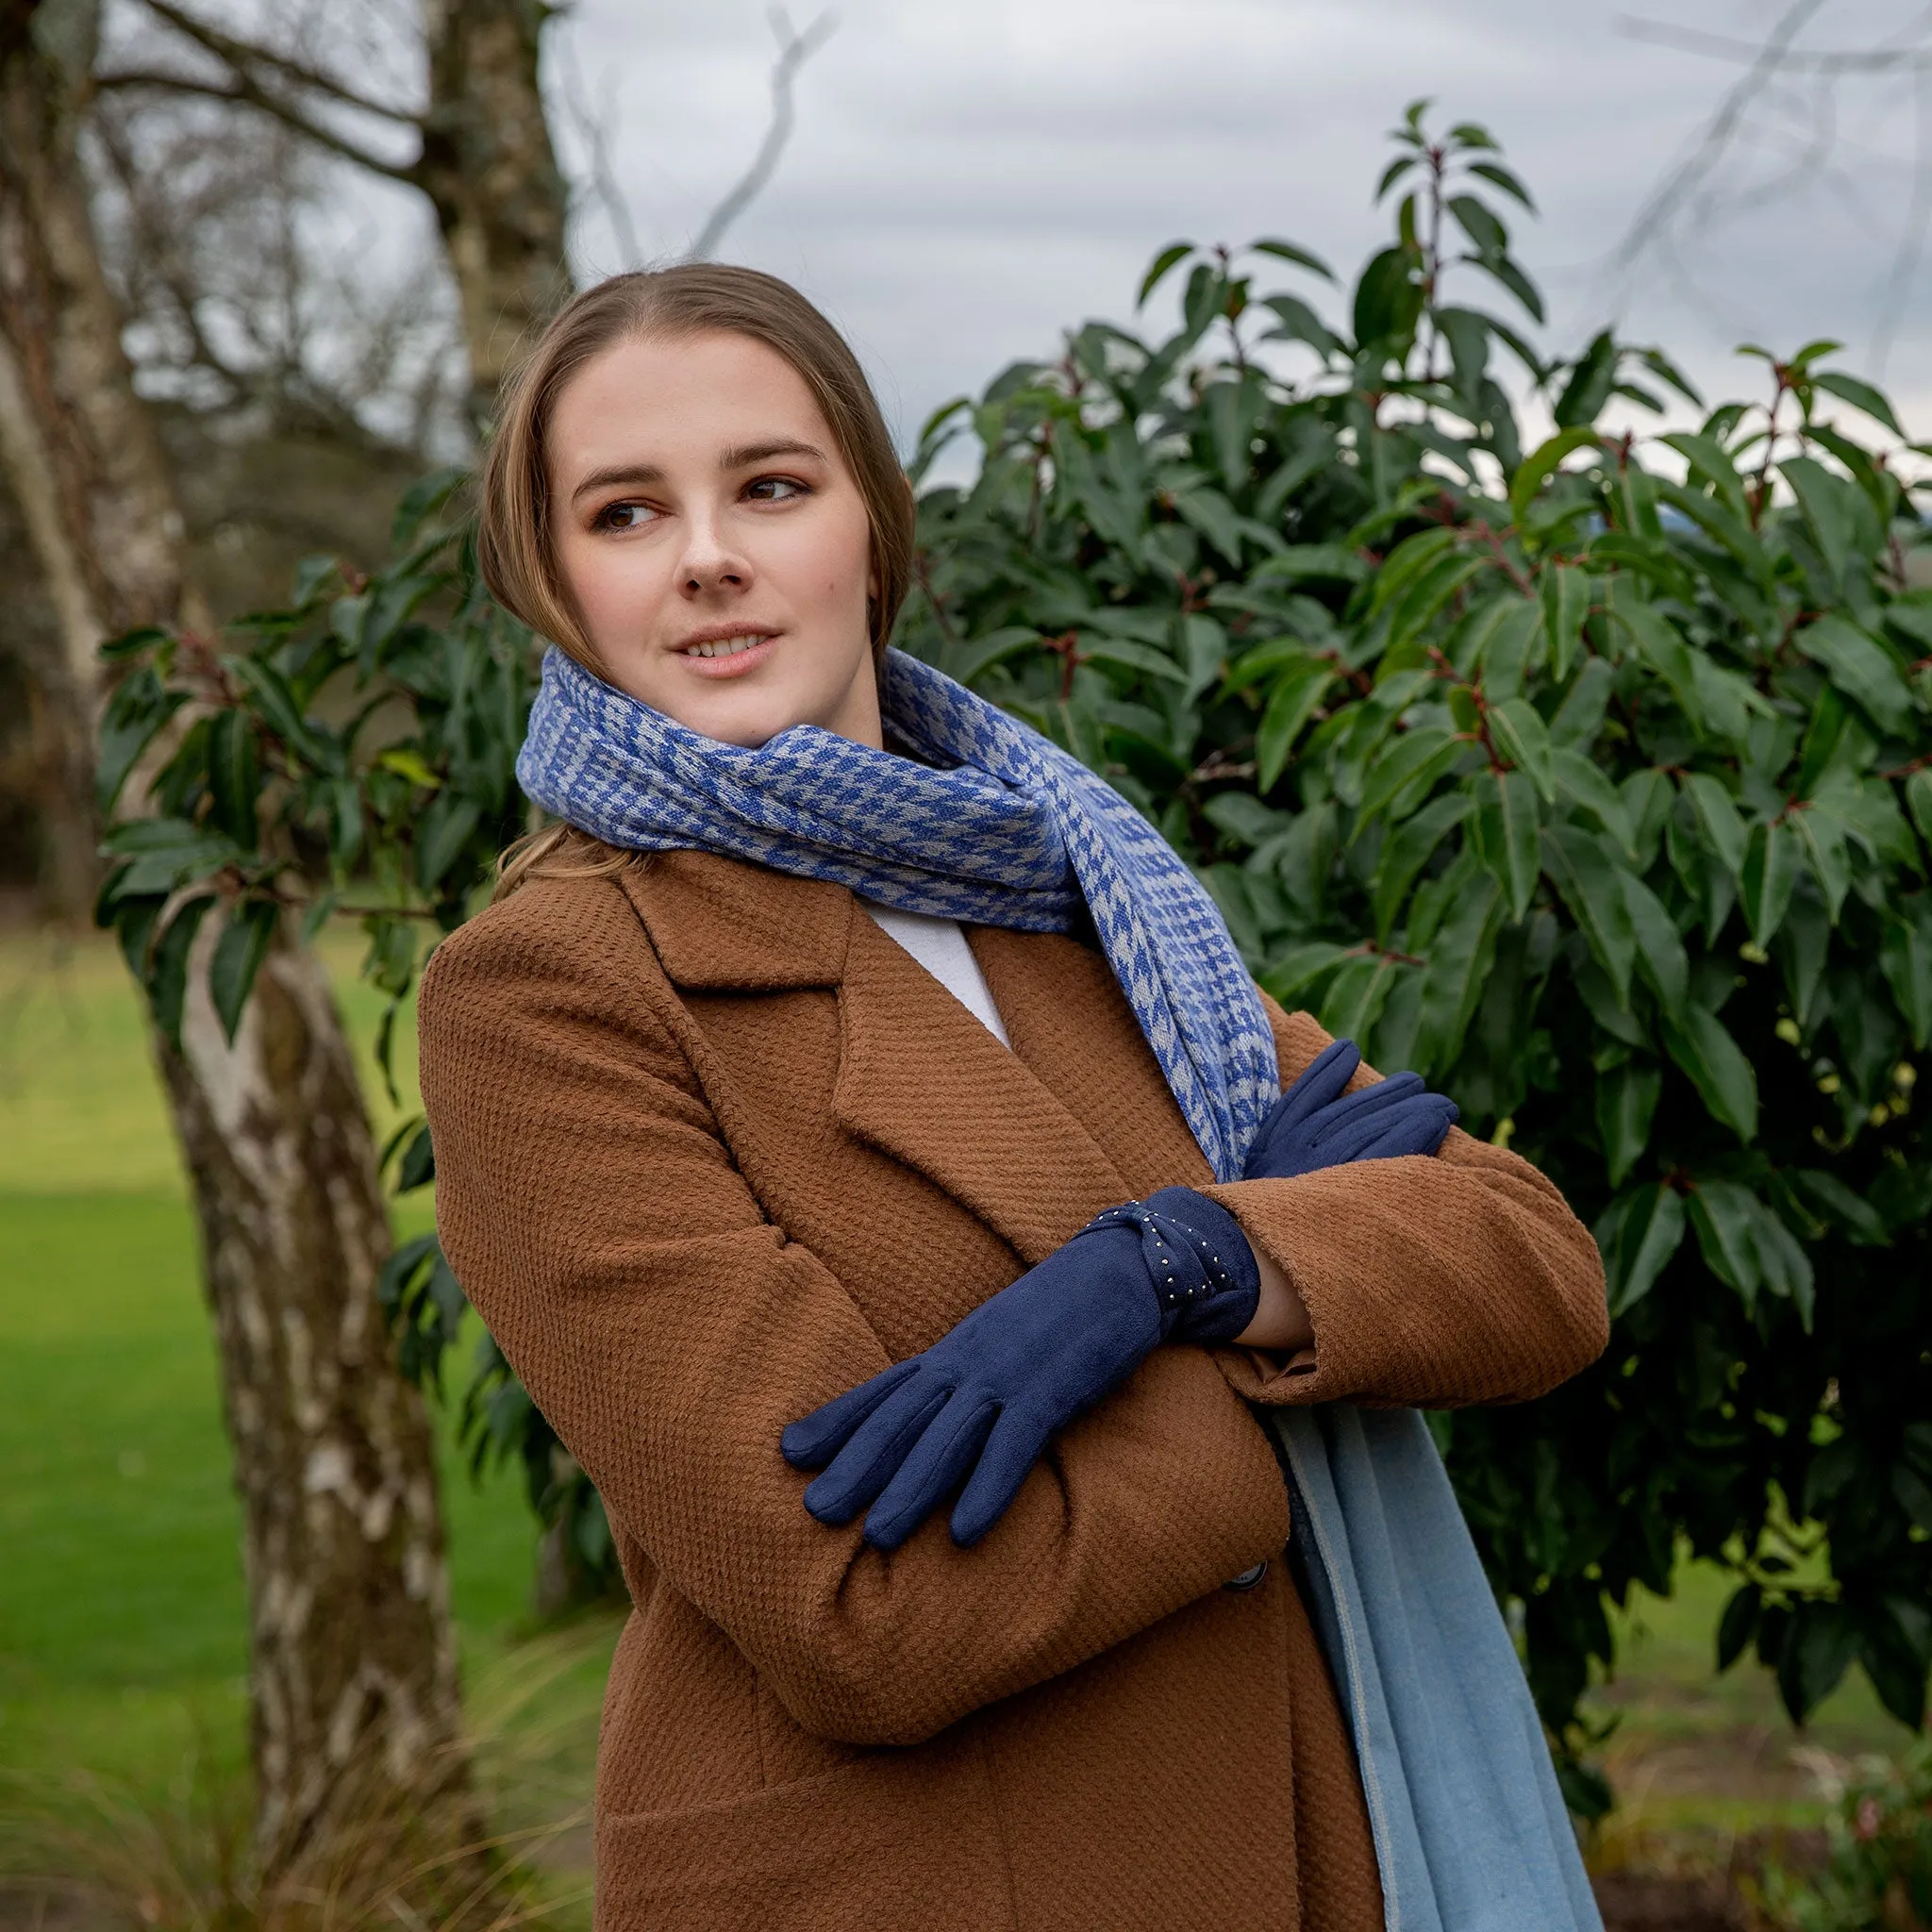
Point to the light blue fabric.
(1470, 1833)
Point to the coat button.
(1248, 1578)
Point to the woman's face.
(714, 542)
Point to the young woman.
(858, 1130)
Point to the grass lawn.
(121, 1619)
(123, 1624)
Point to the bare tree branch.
(1912, 247)
(592, 130)
(243, 55)
(1683, 181)
(246, 92)
(794, 50)
(1882, 59)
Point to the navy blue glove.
(979, 1405)
(1315, 1125)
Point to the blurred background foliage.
(1586, 768)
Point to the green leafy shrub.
(1878, 1874)
(1594, 782)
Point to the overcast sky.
(966, 180)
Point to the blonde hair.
(514, 547)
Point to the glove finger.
(1316, 1087)
(1008, 1456)
(1422, 1130)
(813, 1440)
(935, 1468)
(1416, 1126)
(1369, 1100)
(869, 1461)
(1321, 1081)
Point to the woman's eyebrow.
(619, 472)
(747, 454)
(743, 457)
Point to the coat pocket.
(898, 1839)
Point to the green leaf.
(1703, 1048)
(234, 775)
(1524, 739)
(1584, 782)
(1738, 1625)
(1660, 951)
(1919, 802)
(1816, 1652)
(446, 827)
(1565, 592)
(1906, 956)
(1409, 850)
(1506, 834)
(1771, 871)
(1638, 1234)
(1662, 647)
(1460, 956)
(1156, 271)
(1861, 395)
(1590, 879)
(1288, 251)
(1822, 839)
(1542, 464)
(1828, 506)
(1724, 1214)
(1862, 667)
(1711, 462)
(1388, 299)
(1479, 224)
(1355, 996)
(1291, 703)
(137, 710)
(1503, 178)
(167, 979)
(1627, 1100)
(1296, 322)
(1590, 385)
(239, 952)
(1420, 757)
(1722, 826)
(1299, 969)
(1512, 278)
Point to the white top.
(941, 948)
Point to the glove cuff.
(1199, 1263)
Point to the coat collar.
(720, 925)
(922, 1080)
(919, 1077)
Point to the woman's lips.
(742, 656)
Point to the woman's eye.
(775, 490)
(624, 516)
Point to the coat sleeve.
(590, 1206)
(1431, 1282)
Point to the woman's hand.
(978, 1406)
(1318, 1124)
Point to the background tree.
(354, 1697)
(1594, 781)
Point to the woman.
(858, 1129)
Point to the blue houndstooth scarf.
(1470, 1833)
(1011, 831)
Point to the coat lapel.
(922, 1080)
(919, 1077)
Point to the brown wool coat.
(711, 1148)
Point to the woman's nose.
(711, 562)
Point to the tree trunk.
(80, 453)
(355, 1707)
(356, 1720)
(491, 174)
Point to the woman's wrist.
(1281, 1317)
